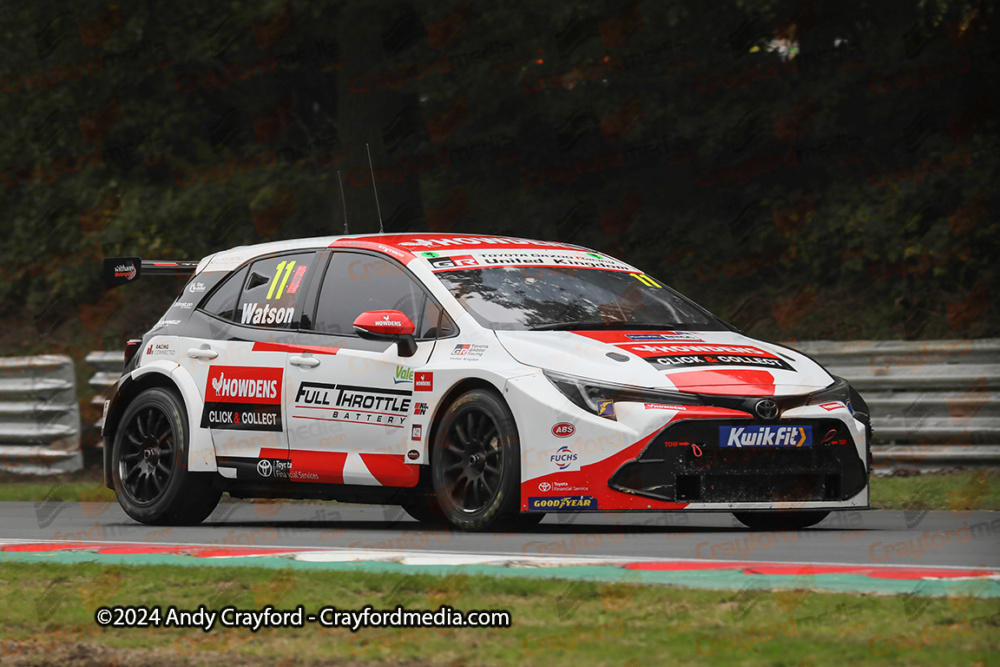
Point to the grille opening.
(831, 487)
(688, 487)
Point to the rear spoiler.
(121, 270)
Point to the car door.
(350, 414)
(248, 323)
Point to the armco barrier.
(39, 415)
(109, 367)
(934, 403)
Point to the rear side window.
(271, 292)
(223, 301)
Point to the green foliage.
(204, 127)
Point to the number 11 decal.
(287, 266)
(645, 280)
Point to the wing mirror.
(390, 325)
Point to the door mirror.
(390, 325)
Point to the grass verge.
(49, 616)
(956, 491)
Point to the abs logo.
(563, 458)
(563, 430)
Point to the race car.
(481, 380)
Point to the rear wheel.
(780, 520)
(149, 464)
(475, 463)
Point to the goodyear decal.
(765, 436)
(563, 503)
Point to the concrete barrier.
(39, 415)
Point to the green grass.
(49, 613)
(956, 491)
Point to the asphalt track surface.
(876, 537)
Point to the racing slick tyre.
(476, 462)
(778, 520)
(149, 464)
(424, 509)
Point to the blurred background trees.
(806, 170)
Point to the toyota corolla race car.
(480, 379)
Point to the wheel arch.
(201, 450)
(461, 387)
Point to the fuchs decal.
(347, 403)
(243, 398)
(563, 503)
(564, 458)
(765, 436)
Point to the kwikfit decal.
(243, 398)
(765, 436)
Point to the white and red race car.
(486, 380)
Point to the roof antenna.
(371, 170)
(343, 201)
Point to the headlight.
(841, 390)
(599, 397)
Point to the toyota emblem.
(544, 486)
(766, 409)
(264, 468)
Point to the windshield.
(547, 298)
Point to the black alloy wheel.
(149, 470)
(476, 462)
(148, 456)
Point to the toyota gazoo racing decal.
(243, 398)
(765, 436)
(348, 403)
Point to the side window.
(355, 283)
(222, 303)
(271, 292)
(435, 322)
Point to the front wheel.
(476, 462)
(780, 520)
(149, 464)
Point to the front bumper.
(685, 462)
